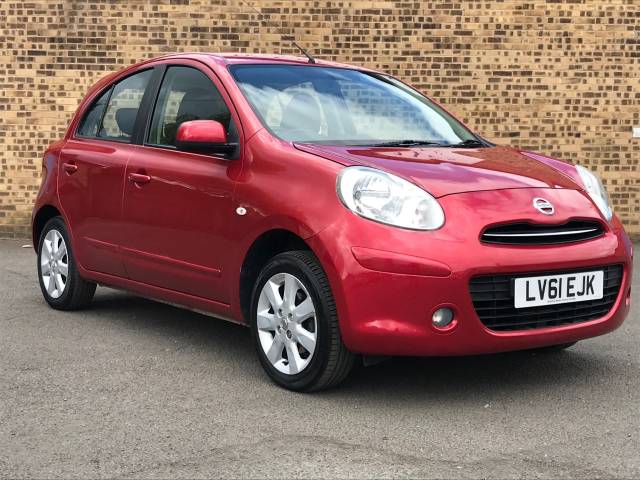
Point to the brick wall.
(558, 76)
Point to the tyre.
(60, 282)
(554, 348)
(295, 325)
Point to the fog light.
(442, 317)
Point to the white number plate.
(553, 289)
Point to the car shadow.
(430, 378)
(464, 378)
(201, 331)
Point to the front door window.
(187, 94)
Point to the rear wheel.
(295, 325)
(60, 282)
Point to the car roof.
(233, 58)
(228, 58)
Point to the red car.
(335, 210)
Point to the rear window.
(113, 114)
(122, 110)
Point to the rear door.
(178, 205)
(92, 171)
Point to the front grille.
(493, 300)
(542, 234)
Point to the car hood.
(445, 171)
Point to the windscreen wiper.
(471, 143)
(407, 143)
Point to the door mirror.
(204, 136)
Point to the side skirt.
(196, 304)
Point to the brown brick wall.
(558, 76)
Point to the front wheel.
(62, 286)
(295, 324)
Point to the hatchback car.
(338, 212)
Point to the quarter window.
(187, 94)
(120, 117)
(91, 121)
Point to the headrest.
(303, 114)
(201, 104)
(126, 119)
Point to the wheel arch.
(44, 214)
(264, 247)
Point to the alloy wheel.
(287, 324)
(54, 263)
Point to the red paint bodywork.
(163, 223)
(201, 131)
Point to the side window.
(120, 117)
(91, 120)
(187, 94)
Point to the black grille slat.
(554, 322)
(508, 301)
(492, 297)
(558, 305)
(489, 310)
(523, 233)
(557, 310)
(567, 319)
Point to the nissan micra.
(338, 212)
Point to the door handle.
(70, 168)
(139, 178)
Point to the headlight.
(595, 189)
(385, 198)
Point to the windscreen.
(342, 106)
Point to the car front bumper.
(388, 282)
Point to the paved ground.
(132, 388)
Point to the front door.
(92, 167)
(178, 205)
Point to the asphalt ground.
(134, 388)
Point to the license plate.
(554, 289)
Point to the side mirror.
(204, 136)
